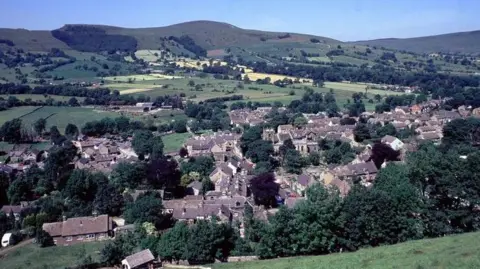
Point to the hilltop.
(447, 252)
(462, 42)
(207, 34)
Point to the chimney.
(64, 218)
(184, 211)
(95, 213)
(81, 223)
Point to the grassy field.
(173, 142)
(211, 88)
(33, 257)
(56, 116)
(460, 251)
(40, 97)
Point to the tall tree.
(173, 243)
(11, 131)
(39, 126)
(147, 208)
(264, 189)
(71, 131)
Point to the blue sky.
(340, 19)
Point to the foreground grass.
(460, 251)
(33, 257)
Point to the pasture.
(212, 88)
(173, 142)
(254, 76)
(33, 257)
(55, 116)
(457, 251)
(40, 97)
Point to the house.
(194, 188)
(16, 210)
(82, 229)
(393, 142)
(302, 183)
(222, 171)
(140, 260)
(364, 173)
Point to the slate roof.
(139, 258)
(79, 226)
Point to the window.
(69, 238)
(90, 236)
(80, 237)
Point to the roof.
(303, 180)
(195, 185)
(290, 202)
(356, 169)
(389, 139)
(12, 208)
(139, 258)
(78, 226)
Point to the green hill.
(459, 251)
(463, 42)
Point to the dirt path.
(6, 250)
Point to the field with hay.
(458, 251)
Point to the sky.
(345, 20)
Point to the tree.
(71, 131)
(314, 158)
(387, 129)
(208, 241)
(55, 136)
(259, 151)
(147, 208)
(163, 173)
(11, 131)
(264, 189)
(207, 185)
(108, 200)
(300, 122)
(128, 175)
(382, 152)
(183, 152)
(361, 132)
(39, 126)
(293, 162)
(115, 251)
(157, 147)
(180, 126)
(73, 102)
(44, 239)
(173, 243)
(141, 142)
(204, 165)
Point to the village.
(233, 171)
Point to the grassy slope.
(463, 42)
(33, 257)
(460, 251)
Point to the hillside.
(458, 251)
(463, 42)
(207, 34)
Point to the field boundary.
(35, 110)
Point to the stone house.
(79, 230)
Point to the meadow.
(211, 88)
(55, 116)
(173, 142)
(458, 251)
(33, 257)
(40, 97)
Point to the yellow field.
(254, 76)
(141, 77)
(129, 91)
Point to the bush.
(44, 239)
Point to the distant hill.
(462, 42)
(206, 34)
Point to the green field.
(33, 257)
(56, 116)
(40, 97)
(173, 142)
(460, 252)
(211, 88)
